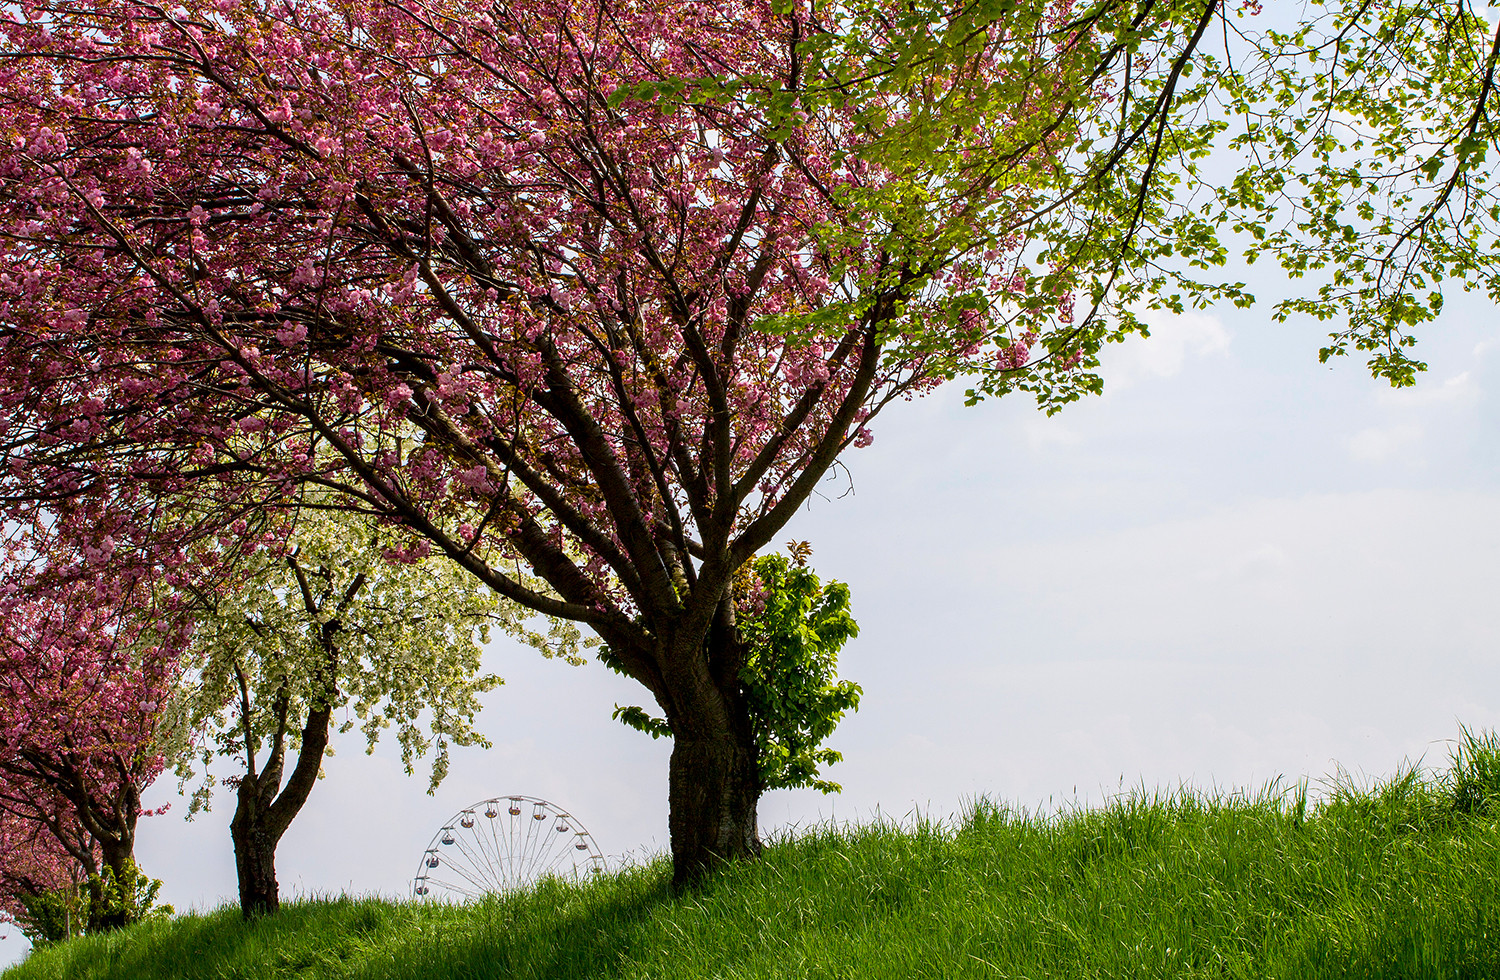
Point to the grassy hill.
(1400, 880)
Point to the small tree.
(795, 627)
(340, 617)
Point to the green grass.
(1399, 880)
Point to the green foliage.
(1366, 137)
(129, 898)
(791, 675)
(1354, 146)
(638, 718)
(790, 678)
(55, 915)
(101, 901)
(1100, 192)
(1373, 884)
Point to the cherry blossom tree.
(320, 624)
(84, 687)
(42, 850)
(586, 296)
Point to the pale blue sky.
(1237, 564)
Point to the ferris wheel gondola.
(504, 844)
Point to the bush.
(53, 916)
(98, 904)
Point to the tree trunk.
(263, 815)
(254, 857)
(713, 792)
(713, 784)
(714, 776)
(119, 862)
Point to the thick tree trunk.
(713, 792)
(714, 778)
(263, 815)
(254, 857)
(119, 861)
(119, 855)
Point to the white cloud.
(1162, 355)
(1381, 444)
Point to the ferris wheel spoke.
(487, 855)
(475, 839)
(474, 856)
(501, 844)
(475, 880)
(505, 843)
(518, 829)
(528, 848)
(546, 859)
(475, 889)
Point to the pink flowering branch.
(602, 290)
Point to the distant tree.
(34, 860)
(332, 620)
(84, 687)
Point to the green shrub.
(54, 916)
(97, 904)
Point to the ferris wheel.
(503, 844)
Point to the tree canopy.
(589, 297)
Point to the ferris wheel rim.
(483, 874)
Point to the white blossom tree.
(347, 617)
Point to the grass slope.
(1399, 881)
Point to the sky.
(1235, 565)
